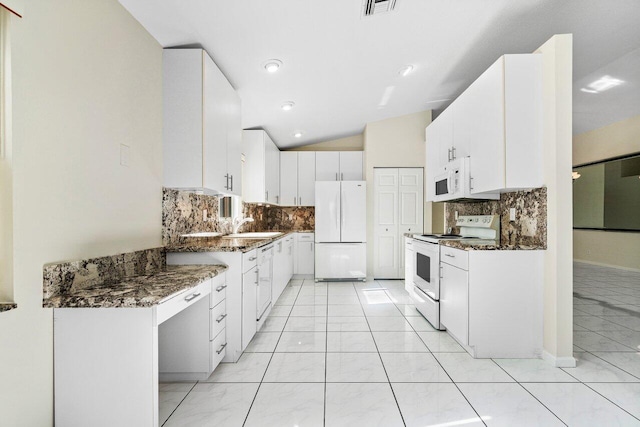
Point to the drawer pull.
(220, 288)
(450, 256)
(253, 258)
(221, 348)
(221, 318)
(192, 296)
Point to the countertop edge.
(6, 306)
(212, 244)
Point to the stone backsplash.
(182, 212)
(530, 227)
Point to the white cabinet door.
(215, 126)
(327, 166)
(288, 178)
(234, 144)
(444, 135)
(254, 185)
(249, 305)
(454, 301)
(327, 211)
(351, 166)
(306, 178)
(305, 257)
(385, 216)
(272, 170)
(483, 125)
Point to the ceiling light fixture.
(297, 135)
(602, 84)
(272, 65)
(287, 106)
(575, 175)
(406, 70)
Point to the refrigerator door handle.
(338, 212)
(343, 211)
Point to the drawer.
(429, 308)
(305, 237)
(249, 260)
(184, 299)
(456, 257)
(217, 319)
(218, 289)
(217, 349)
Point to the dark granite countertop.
(482, 245)
(137, 291)
(6, 306)
(224, 244)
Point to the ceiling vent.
(374, 7)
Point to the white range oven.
(426, 280)
(478, 229)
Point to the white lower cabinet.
(304, 249)
(491, 301)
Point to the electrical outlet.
(204, 215)
(455, 214)
(512, 214)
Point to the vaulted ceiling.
(342, 70)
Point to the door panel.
(327, 165)
(386, 246)
(454, 301)
(351, 166)
(306, 178)
(288, 178)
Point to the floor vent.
(374, 7)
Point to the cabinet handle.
(341, 176)
(192, 296)
(226, 184)
(266, 196)
(221, 348)
(231, 183)
(300, 200)
(221, 318)
(441, 273)
(220, 288)
(294, 200)
(336, 176)
(277, 199)
(471, 182)
(449, 155)
(450, 256)
(253, 258)
(453, 153)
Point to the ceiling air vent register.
(374, 7)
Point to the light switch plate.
(512, 214)
(124, 155)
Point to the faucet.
(237, 223)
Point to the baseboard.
(601, 264)
(559, 362)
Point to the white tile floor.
(358, 354)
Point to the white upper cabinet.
(297, 178)
(201, 124)
(497, 123)
(327, 166)
(508, 126)
(261, 169)
(339, 166)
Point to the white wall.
(395, 142)
(349, 143)
(557, 69)
(87, 77)
(618, 249)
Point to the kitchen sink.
(255, 235)
(202, 234)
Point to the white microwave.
(453, 182)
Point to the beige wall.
(557, 66)
(350, 143)
(87, 77)
(618, 249)
(395, 142)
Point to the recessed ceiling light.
(406, 70)
(602, 84)
(286, 106)
(272, 65)
(297, 135)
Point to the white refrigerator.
(341, 230)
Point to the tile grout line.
(180, 403)
(609, 400)
(272, 353)
(393, 393)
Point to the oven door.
(426, 274)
